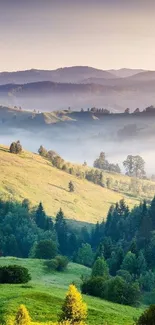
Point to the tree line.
(124, 243)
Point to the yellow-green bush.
(74, 309)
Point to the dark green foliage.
(94, 286)
(16, 147)
(14, 274)
(51, 264)
(46, 249)
(59, 263)
(100, 268)
(122, 292)
(40, 217)
(62, 263)
(147, 281)
(85, 255)
(114, 289)
(148, 317)
(129, 263)
(125, 275)
(62, 232)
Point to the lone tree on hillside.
(22, 316)
(73, 309)
(134, 166)
(16, 147)
(71, 186)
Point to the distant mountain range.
(78, 87)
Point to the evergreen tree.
(100, 268)
(73, 309)
(40, 217)
(141, 264)
(62, 232)
(129, 263)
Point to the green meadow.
(43, 296)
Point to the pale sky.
(48, 34)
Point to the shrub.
(52, 265)
(62, 263)
(22, 316)
(73, 309)
(148, 317)
(119, 291)
(94, 286)
(57, 264)
(116, 289)
(14, 274)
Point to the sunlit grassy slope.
(31, 176)
(44, 295)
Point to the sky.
(49, 34)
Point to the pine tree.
(62, 232)
(22, 316)
(73, 309)
(41, 217)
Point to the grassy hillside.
(44, 295)
(31, 176)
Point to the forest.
(120, 250)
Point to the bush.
(57, 264)
(116, 289)
(148, 317)
(121, 292)
(52, 265)
(62, 263)
(94, 286)
(14, 274)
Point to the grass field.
(31, 176)
(44, 295)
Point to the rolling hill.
(78, 87)
(67, 75)
(31, 176)
(114, 94)
(44, 296)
